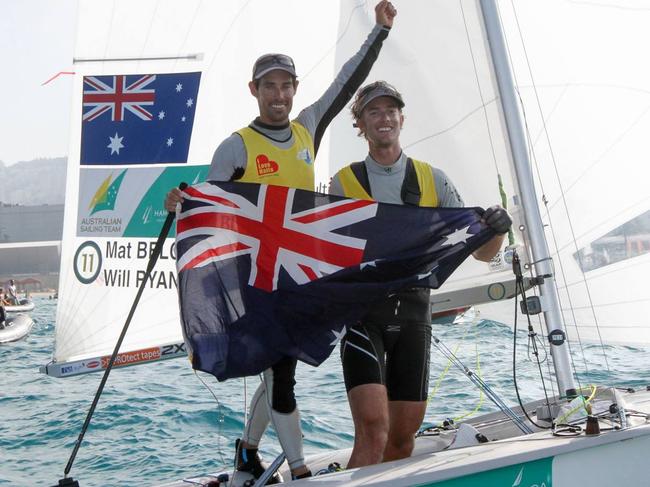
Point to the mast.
(533, 218)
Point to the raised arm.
(318, 116)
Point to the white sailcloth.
(99, 265)
(591, 92)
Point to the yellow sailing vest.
(268, 164)
(352, 188)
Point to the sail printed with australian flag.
(138, 119)
(269, 271)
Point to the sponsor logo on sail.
(135, 357)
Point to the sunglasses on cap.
(269, 62)
(374, 90)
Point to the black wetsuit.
(391, 344)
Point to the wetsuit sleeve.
(448, 195)
(316, 117)
(229, 157)
(335, 187)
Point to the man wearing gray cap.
(385, 356)
(273, 149)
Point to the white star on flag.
(170, 141)
(372, 263)
(161, 115)
(459, 236)
(338, 335)
(428, 274)
(189, 102)
(116, 144)
(179, 87)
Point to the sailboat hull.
(615, 457)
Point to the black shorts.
(391, 346)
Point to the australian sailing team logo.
(104, 199)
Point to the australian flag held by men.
(269, 271)
(138, 119)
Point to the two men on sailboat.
(275, 150)
(385, 356)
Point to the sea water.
(159, 422)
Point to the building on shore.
(30, 246)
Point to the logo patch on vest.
(265, 166)
(305, 156)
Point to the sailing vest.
(268, 164)
(418, 187)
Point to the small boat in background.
(16, 328)
(24, 306)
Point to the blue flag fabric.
(268, 271)
(138, 119)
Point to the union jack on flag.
(267, 271)
(303, 243)
(117, 96)
(138, 119)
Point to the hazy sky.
(36, 42)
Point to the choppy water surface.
(158, 422)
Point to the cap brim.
(372, 96)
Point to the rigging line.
(504, 199)
(481, 396)
(146, 37)
(187, 33)
(520, 288)
(220, 419)
(642, 202)
(540, 324)
(600, 158)
(616, 303)
(239, 445)
(478, 88)
(480, 383)
(446, 369)
(589, 84)
(338, 40)
(448, 128)
(226, 33)
(562, 194)
(539, 178)
(110, 23)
